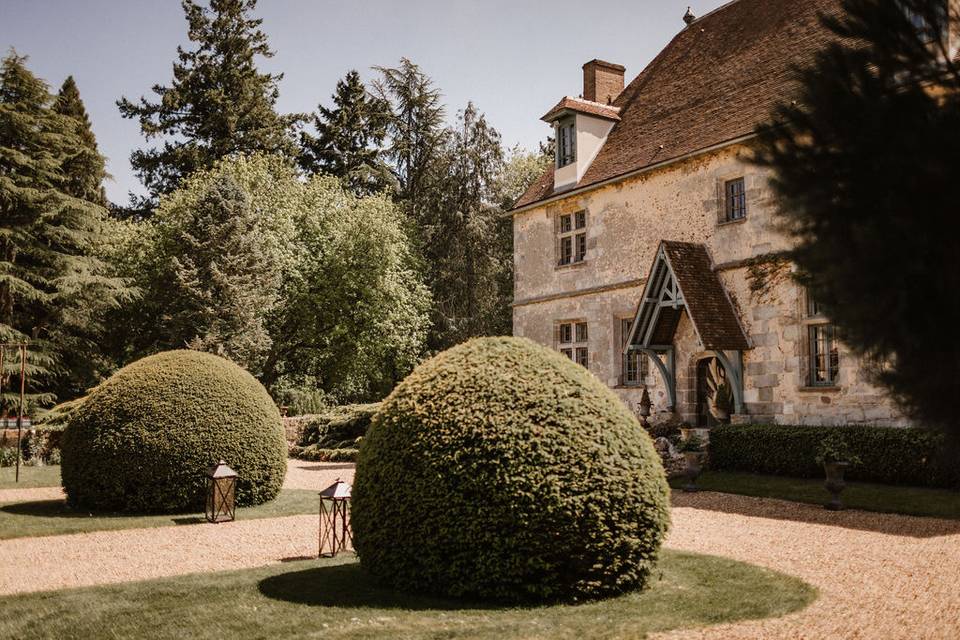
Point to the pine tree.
(415, 130)
(52, 285)
(220, 282)
(86, 169)
(218, 104)
(865, 164)
(462, 227)
(347, 144)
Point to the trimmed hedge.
(142, 440)
(316, 454)
(888, 454)
(338, 427)
(499, 469)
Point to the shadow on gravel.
(886, 523)
(347, 585)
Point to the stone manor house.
(648, 252)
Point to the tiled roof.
(583, 106)
(706, 301)
(715, 82)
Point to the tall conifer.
(347, 144)
(218, 103)
(86, 169)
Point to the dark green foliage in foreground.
(500, 469)
(881, 498)
(143, 439)
(334, 599)
(338, 427)
(887, 455)
(868, 176)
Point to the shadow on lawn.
(53, 509)
(754, 507)
(347, 585)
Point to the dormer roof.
(713, 84)
(579, 105)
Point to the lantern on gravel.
(335, 519)
(221, 493)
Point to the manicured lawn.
(334, 599)
(53, 517)
(916, 501)
(30, 477)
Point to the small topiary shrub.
(142, 440)
(500, 469)
(338, 427)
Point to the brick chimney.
(602, 81)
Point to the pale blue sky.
(514, 59)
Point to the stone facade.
(684, 201)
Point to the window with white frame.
(572, 340)
(635, 366)
(566, 142)
(823, 347)
(571, 238)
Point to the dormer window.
(566, 141)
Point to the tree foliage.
(54, 287)
(349, 138)
(218, 103)
(85, 169)
(866, 164)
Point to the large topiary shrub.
(142, 440)
(500, 469)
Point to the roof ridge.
(709, 13)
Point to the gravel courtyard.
(879, 576)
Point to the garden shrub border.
(889, 455)
(317, 454)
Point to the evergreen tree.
(462, 235)
(86, 169)
(347, 144)
(865, 162)
(415, 131)
(218, 103)
(53, 287)
(219, 283)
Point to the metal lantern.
(645, 405)
(221, 493)
(335, 532)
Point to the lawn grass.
(30, 477)
(53, 517)
(914, 501)
(334, 599)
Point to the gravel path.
(879, 576)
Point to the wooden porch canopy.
(682, 277)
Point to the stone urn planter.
(694, 468)
(835, 483)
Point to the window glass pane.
(566, 250)
(581, 219)
(567, 352)
(565, 223)
(824, 355)
(736, 199)
(581, 247)
(581, 332)
(582, 356)
(566, 333)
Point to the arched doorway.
(714, 393)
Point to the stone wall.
(684, 201)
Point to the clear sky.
(513, 58)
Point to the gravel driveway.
(879, 576)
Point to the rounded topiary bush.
(143, 438)
(500, 469)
